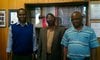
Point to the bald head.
(76, 14)
(76, 19)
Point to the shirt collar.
(18, 23)
(83, 28)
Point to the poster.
(2, 18)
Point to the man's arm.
(93, 54)
(94, 43)
(64, 53)
(34, 44)
(64, 43)
(34, 40)
(9, 44)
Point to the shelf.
(77, 3)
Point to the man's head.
(77, 19)
(50, 19)
(21, 13)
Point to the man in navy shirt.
(21, 38)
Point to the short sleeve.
(64, 40)
(93, 41)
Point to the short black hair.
(21, 9)
(50, 14)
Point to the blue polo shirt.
(80, 42)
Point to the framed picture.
(12, 16)
(95, 10)
(2, 18)
(95, 26)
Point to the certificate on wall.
(96, 27)
(13, 16)
(95, 10)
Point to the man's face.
(50, 20)
(76, 20)
(22, 16)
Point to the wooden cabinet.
(45, 8)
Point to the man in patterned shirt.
(79, 40)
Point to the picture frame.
(96, 28)
(95, 10)
(2, 17)
(12, 16)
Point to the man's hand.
(65, 53)
(93, 54)
(9, 56)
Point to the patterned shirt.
(80, 42)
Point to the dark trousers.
(49, 56)
(86, 58)
(17, 57)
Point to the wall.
(96, 21)
(3, 31)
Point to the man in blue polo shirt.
(21, 40)
(79, 40)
